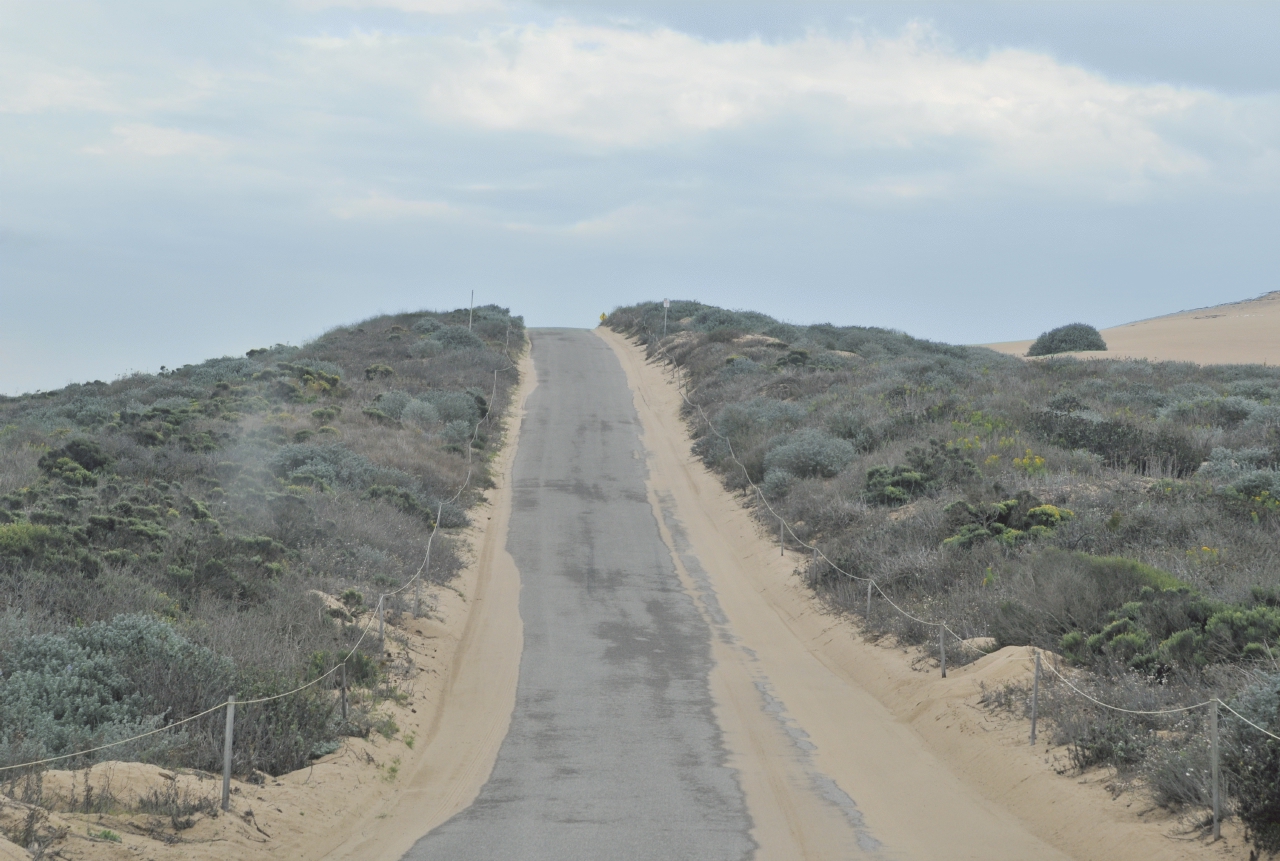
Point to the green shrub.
(102, 683)
(895, 485)
(392, 403)
(809, 452)
(458, 338)
(83, 452)
(420, 414)
(1067, 339)
(427, 348)
(454, 406)
(927, 469)
(1253, 761)
(400, 498)
(374, 372)
(1065, 593)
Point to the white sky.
(179, 181)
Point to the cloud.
(157, 141)
(1015, 114)
(387, 207)
(425, 7)
(30, 91)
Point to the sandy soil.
(1238, 332)
(932, 772)
(369, 800)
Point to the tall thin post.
(344, 692)
(417, 598)
(226, 752)
(1214, 774)
(1035, 699)
(666, 305)
(471, 309)
(782, 548)
(870, 583)
(813, 566)
(382, 601)
(942, 648)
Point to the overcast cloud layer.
(181, 182)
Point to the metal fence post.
(782, 549)
(942, 648)
(382, 600)
(226, 752)
(870, 583)
(1035, 699)
(1214, 774)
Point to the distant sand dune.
(1236, 333)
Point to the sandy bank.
(373, 797)
(1236, 333)
(929, 772)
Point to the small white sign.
(666, 303)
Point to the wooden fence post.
(226, 752)
(1035, 699)
(942, 648)
(344, 692)
(1214, 774)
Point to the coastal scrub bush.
(427, 348)
(101, 683)
(421, 414)
(1253, 760)
(392, 403)
(809, 452)
(453, 406)
(458, 338)
(1073, 337)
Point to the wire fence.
(785, 528)
(232, 703)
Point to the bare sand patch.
(369, 800)
(932, 772)
(1245, 332)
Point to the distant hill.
(1245, 332)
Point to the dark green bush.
(1067, 339)
(927, 469)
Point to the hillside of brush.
(1122, 514)
(164, 537)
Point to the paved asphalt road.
(613, 751)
